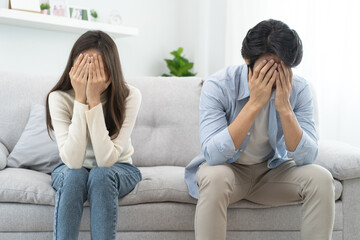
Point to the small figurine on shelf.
(45, 8)
(115, 18)
(94, 15)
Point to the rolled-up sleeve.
(307, 149)
(216, 142)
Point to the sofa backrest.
(166, 131)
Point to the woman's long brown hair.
(116, 93)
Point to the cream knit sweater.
(81, 134)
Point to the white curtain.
(330, 32)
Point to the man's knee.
(321, 179)
(217, 179)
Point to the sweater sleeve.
(70, 132)
(107, 150)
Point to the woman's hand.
(98, 81)
(283, 89)
(78, 76)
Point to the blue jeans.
(102, 187)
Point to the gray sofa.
(165, 139)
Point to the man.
(258, 138)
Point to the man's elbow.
(214, 159)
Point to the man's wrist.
(254, 106)
(285, 111)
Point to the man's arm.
(260, 85)
(218, 140)
(298, 126)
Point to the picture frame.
(25, 5)
(80, 13)
(58, 8)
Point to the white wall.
(41, 51)
(330, 32)
(204, 28)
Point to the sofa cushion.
(166, 132)
(341, 159)
(35, 150)
(159, 184)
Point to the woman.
(92, 112)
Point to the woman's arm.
(107, 151)
(70, 132)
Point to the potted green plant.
(94, 15)
(179, 66)
(45, 8)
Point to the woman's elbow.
(69, 163)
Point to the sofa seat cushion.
(159, 184)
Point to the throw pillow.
(35, 150)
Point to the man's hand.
(283, 89)
(98, 81)
(261, 83)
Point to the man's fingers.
(285, 69)
(249, 74)
(259, 67)
(269, 74)
(273, 79)
(265, 69)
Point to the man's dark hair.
(272, 36)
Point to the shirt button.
(248, 134)
(241, 150)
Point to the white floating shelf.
(64, 24)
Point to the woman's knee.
(100, 174)
(72, 178)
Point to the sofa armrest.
(4, 153)
(341, 159)
(351, 208)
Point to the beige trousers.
(221, 185)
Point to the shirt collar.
(244, 91)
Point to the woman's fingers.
(90, 72)
(102, 72)
(78, 59)
(108, 83)
(97, 67)
(78, 67)
(84, 71)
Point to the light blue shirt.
(223, 95)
